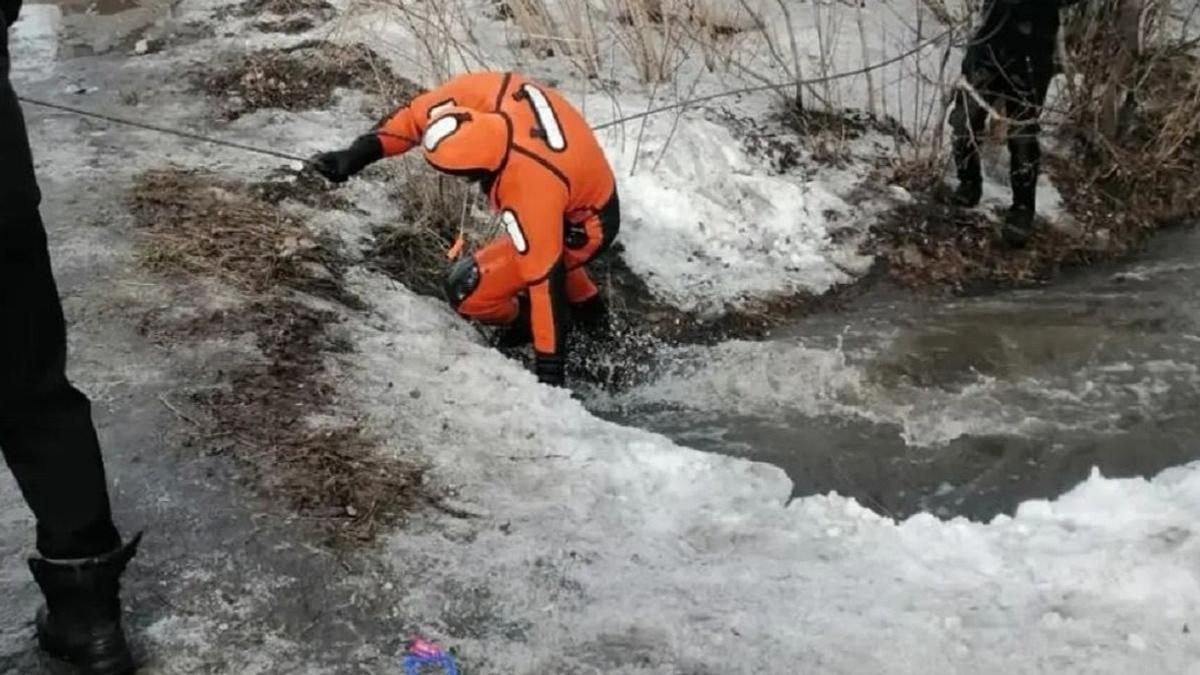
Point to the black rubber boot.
(1025, 163)
(591, 316)
(968, 164)
(967, 194)
(1018, 226)
(518, 333)
(81, 620)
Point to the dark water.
(962, 406)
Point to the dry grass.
(434, 208)
(334, 474)
(194, 222)
(289, 25)
(197, 224)
(302, 77)
(283, 8)
(1133, 114)
(259, 416)
(930, 245)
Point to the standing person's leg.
(968, 122)
(1028, 94)
(46, 431)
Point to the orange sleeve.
(403, 130)
(533, 218)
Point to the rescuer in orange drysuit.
(543, 170)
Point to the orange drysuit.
(544, 172)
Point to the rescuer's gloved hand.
(339, 165)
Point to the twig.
(178, 413)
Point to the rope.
(620, 120)
(774, 86)
(162, 129)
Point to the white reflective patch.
(435, 110)
(438, 131)
(513, 226)
(546, 118)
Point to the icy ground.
(594, 548)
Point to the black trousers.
(1015, 84)
(46, 431)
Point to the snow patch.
(599, 543)
(706, 226)
(33, 41)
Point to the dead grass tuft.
(842, 124)
(302, 77)
(928, 244)
(259, 416)
(289, 25)
(1146, 177)
(195, 223)
(320, 8)
(433, 207)
(336, 474)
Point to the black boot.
(518, 333)
(968, 194)
(591, 316)
(968, 124)
(1018, 226)
(1025, 164)
(81, 620)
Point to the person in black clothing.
(46, 431)
(1009, 64)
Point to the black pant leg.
(1026, 99)
(46, 431)
(968, 118)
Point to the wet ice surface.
(964, 407)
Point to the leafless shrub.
(1132, 109)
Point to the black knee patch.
(575, 236)
(462, 281)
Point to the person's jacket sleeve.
(403, 129)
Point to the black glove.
(340, 165)
(550, 369)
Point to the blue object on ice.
(417, 665)
(422, 654)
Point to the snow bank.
(602, 547)
(705, 225)
(33, 41)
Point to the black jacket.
(1026, 27)
(10, 9)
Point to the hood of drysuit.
(466, 142)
